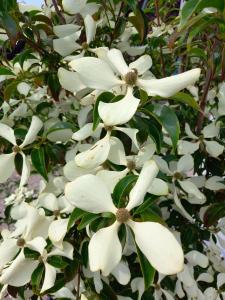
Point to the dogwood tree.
(116, 108)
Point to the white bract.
(89, 193)
(7, 160)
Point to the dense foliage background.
(52, 123)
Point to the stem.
(78, 284)
(209, 76)
(160, 46)
(223, 64)
(63, 21)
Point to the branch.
(59, 13)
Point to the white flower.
(89, 193)
(7, 160)
(211, 146)
(102, 77)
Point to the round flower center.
(122, 215)
(16, 149)
(108, 128)
(131, 77)
(20, 242)
(131, 165)
(177, 176)
(85, 45)
(56, 212)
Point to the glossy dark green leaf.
(185, 99)
(58, 261)
(86, 220)
(167, 118)
(122, 188)
(75, 215)
(31, 254)
(38, 161)
(5, 71)
(37, 275)
(147, 270)
(139, 22)
(213, 213)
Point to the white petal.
(72, 171)
(23, 88)
(212, 130)
(7, 133)
(142, 64)
(119, 112)
(116, 58)
(89, 9)
(89, 193)
(25, 170)
(111, 178)
(19, 272)
(206, 277)
(162, 164)
(214, 148)
(90, 28)
(196, 258)
(70, 81)
(6, 166)
(131, 132)
(189, 133)
(122, 273)
(35, 127)
(105, 250)
(94, 156)
(67, 251)
(137, 284)
(167, 87)
(117, 153)
(159, 246)
(49, 201)
(185, 147)
(185, 163)
(49, 279)
(57, 231)
(83, 133)
(65, 30)
(195, 196)
(214, 183)
(8, 250)
(181, 208)
(146, 177)
(66, 45)
(220, 280)
(158, 187)
(95, 73)
(73, 6)
(37, 244)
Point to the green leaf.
(188, 9)
(31, 254)
(10, 89)
(57, 261)
(75, 215)
(87, 219)
(5, 71)
(104, 97)
(122, 188)
(37, 276)
(147, 270)
(139, 22)
(214, 212)
(38, 161)
(167, 118)
(192, 6)
(132, 4)
(185, 99)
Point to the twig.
(160, 46)
(78, 283)
(59, 13)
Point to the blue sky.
(36, 2)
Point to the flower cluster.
(122, 118)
